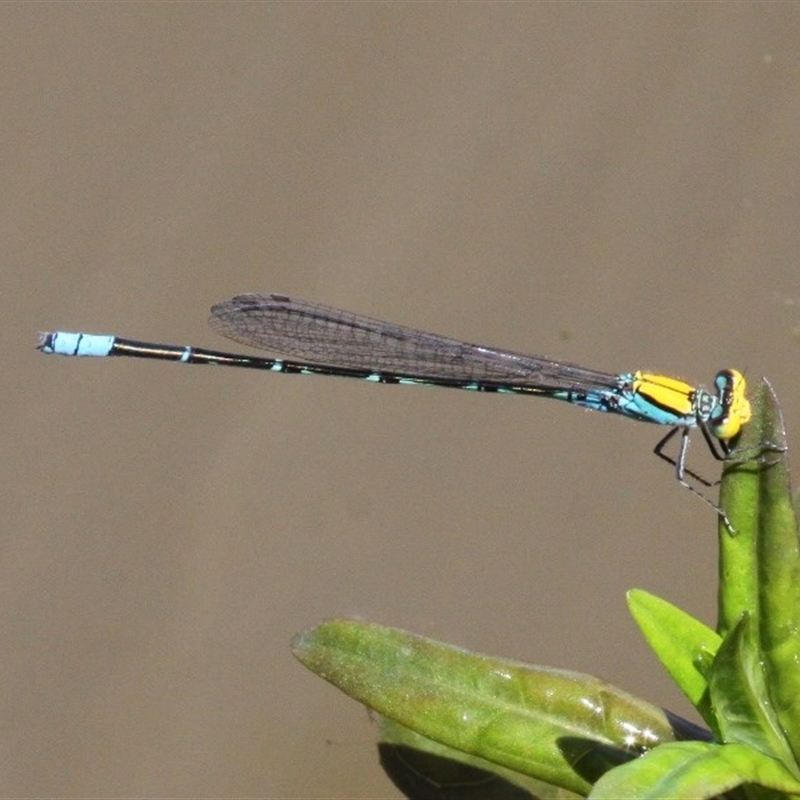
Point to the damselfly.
(333, 342)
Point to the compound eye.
(726, 383)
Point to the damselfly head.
(736, 411)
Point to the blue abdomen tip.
(63, 343)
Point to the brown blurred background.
(613, 184)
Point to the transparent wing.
(324, 335)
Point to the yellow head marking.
(731, 388)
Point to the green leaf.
(739, 496)
(760, 564)
(422, 768)
(739, 697)
(560, 727)
(693, 770)
(685, 646)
